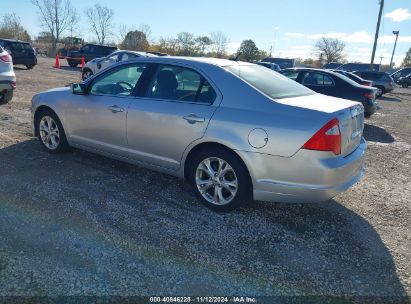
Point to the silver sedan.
(235, 131)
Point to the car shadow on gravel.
(389, 98)
(120, 229)
(377, 134)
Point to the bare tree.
(146, 29)
(101, 21)
(11, 27)
(330, 50)
(219, 45)
(55, 17)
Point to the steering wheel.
(126, 84)
(187, 95)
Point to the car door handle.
(192, 118)
(115, 109)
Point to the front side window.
(120, 82)
(182, 84)
(269, 82)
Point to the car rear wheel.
(219, 179)
(73, 64)
(86, 74)
(50, 132)
(29, 66)
(405, 85)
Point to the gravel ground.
(81, 224)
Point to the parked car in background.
(405, 81)
(269, 138)
(354, 77)
(284, 63)
(21, 52)
(400, 73)
(355, 66)
(98, 64)
(380, 80)
(7, 77)
(271, 65)
(331, 65)
(333, 84)
(89, 52)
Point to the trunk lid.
(349, 113)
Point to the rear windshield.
(269, 82)
(346, 79)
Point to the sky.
(290, 27)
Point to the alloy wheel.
(49, 132)
(216, 181)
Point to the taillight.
(390, 83)
(13, 84)
(6, 58)
(367, 84)
(328, 138)
(369, 95)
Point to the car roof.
(191, 60)
(134, 52)
(107, 46)
(13, 40)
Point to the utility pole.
(381, 58)
(396, 33)
(377, 31)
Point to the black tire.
(244, 189)
(29, 66)
(63, 144)
(405, 85)
(5, 97)
(84, 73)
(382, 91)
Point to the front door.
(173, 112)
(98, 119)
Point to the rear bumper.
(26, 61)
(308, 176)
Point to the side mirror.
(79, 89)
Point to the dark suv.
(380, 80)
(21, 52)
(89, 52)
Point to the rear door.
(173, 111)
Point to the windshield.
(269, 82)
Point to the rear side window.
(269, 82)
(181, 84)
(1, 49)
(317, 79)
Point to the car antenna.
(236, 57)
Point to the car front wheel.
(50, 132)
(219, 179)
(86, 74)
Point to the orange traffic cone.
(57, 64)
(83, 63)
